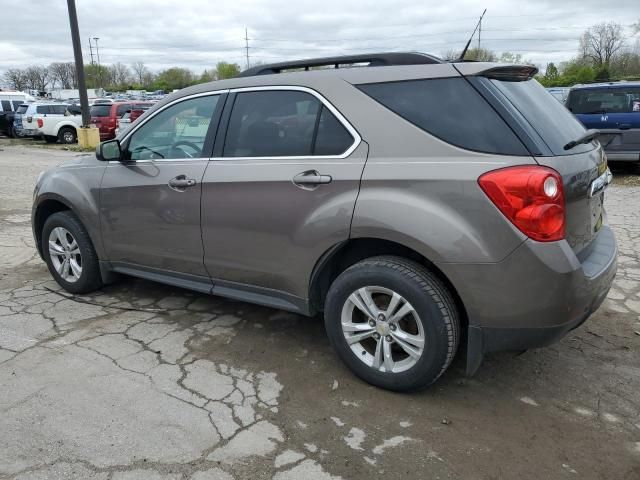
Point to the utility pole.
(77, 53)
(246, 45)
(99, 67)
(480, 29)
(91, 50)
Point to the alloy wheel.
(65, 254)
(382, 329)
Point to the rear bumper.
(533, 297)
(617, 156)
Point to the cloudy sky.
(197, 33)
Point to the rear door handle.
(624, 126)
(311, 178)
(181, 182)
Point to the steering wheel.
(184, 143)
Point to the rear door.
(281, 189)
(150, 202)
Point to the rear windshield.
(548, 117)
(22, 109)
(450, 109)
(604, 100)
(100, 110)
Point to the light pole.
(99, 67)
(77, 52)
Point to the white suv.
(57, 121)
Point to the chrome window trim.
(345, 123)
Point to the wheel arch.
(342, 255)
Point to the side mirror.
(109, 151)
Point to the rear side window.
(100, 110)
(58, 109)
(283, 124)
(604, 100)
(43, 109)
(450, 109)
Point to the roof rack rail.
(373, 60)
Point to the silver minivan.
(423, 207)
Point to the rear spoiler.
(509, 73)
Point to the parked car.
(414, 202)
(130, 116)
(614, 109)
(24, 124)
(559, 93)
(106, 116)
(55, 122)
(9, 103)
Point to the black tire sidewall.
(61, 136)
(89, 278)
(435, 354)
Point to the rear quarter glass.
(450, 109)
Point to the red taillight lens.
(40, 123)
(531, 197)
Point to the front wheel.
(393, 323)
(69, 253)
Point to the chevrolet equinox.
(418, 204)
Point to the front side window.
(178, 131)
(283, 123)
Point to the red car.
(106, 115)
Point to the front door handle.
(181, 182)
(311, 179)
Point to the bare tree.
(16, 78)
(601, 42)
(37, 77)
(139, 71)
(63, 73)
(120, 74)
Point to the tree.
(120, 76)
(139, 71)
(601, 42)
(174, 78)
(37, 77)
(16, 78)
(226, 70)
(63, 73)
(551, 73)
(97, 76)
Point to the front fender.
(76, 186)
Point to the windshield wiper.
(589, 135)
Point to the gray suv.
(420, 205)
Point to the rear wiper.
(589, 135)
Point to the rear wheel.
(393, 323)
(69, 253)
(67, 135)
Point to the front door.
(150, 201)
(280, 192)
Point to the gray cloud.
(198, 33)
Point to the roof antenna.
(466, 47)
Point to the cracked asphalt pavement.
(144, 381)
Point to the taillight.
(531, 197)
(40, 123)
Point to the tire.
(89, 278)
(67, 135)
(50, 139)
(433, 319)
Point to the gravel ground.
(144, 381)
